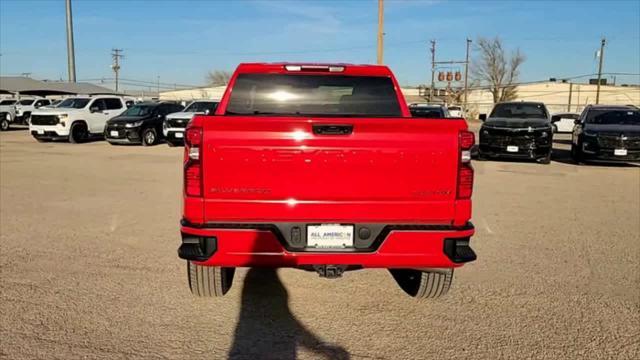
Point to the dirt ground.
(88, 239)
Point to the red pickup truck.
(321, 167)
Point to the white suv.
(76, 118)
(174, 124)
(26, 106)
(7, 113)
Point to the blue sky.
(181, 40)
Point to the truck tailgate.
(269, 169)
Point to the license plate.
(512, 149)
(329, 236)
(114, 133)
(179, 135)
(620, 152)
(40, 132)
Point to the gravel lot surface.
(88, 269)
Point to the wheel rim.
(149, 137)
(4, 125)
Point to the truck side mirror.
(482, 117)
(555, 118)
(576, 122)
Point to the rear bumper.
(388, 246)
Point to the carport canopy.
(28, 86)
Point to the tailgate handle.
(332, 129)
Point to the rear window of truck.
(313, 95)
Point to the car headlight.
(134, 124)
(544, 134)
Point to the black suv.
(428, 111)
(607, 133)
(520, 130)
(141, 123)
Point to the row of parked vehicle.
(519, 130)
(116, 119)
(524, 130)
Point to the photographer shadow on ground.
(266, 327)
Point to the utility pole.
(570, 93)
(71, 57)
(116, 54)
(602, 43)
(380, 32)
(433, 69)
(466, 75)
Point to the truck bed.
(272, 169)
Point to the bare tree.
(218, 77)
(492, 66)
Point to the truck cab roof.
(329, 68)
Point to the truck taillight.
(465, 170)
(193, 163)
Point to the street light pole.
(433, 69)
(380, 32)
(71, 57)
(602, 43)
(466, 75)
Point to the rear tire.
(4, 125)
(78, 133)
(427, 284)
(209, 281)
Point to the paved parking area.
(88, 269)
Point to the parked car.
(429, 111)
(7, 113)
(140, 124)
(26, 106)
(607, 133)
(174, 125)
(519, 130)
(76, 118)
(455, 111)
(563, 122)
(321, 167)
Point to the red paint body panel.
(275, 169)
